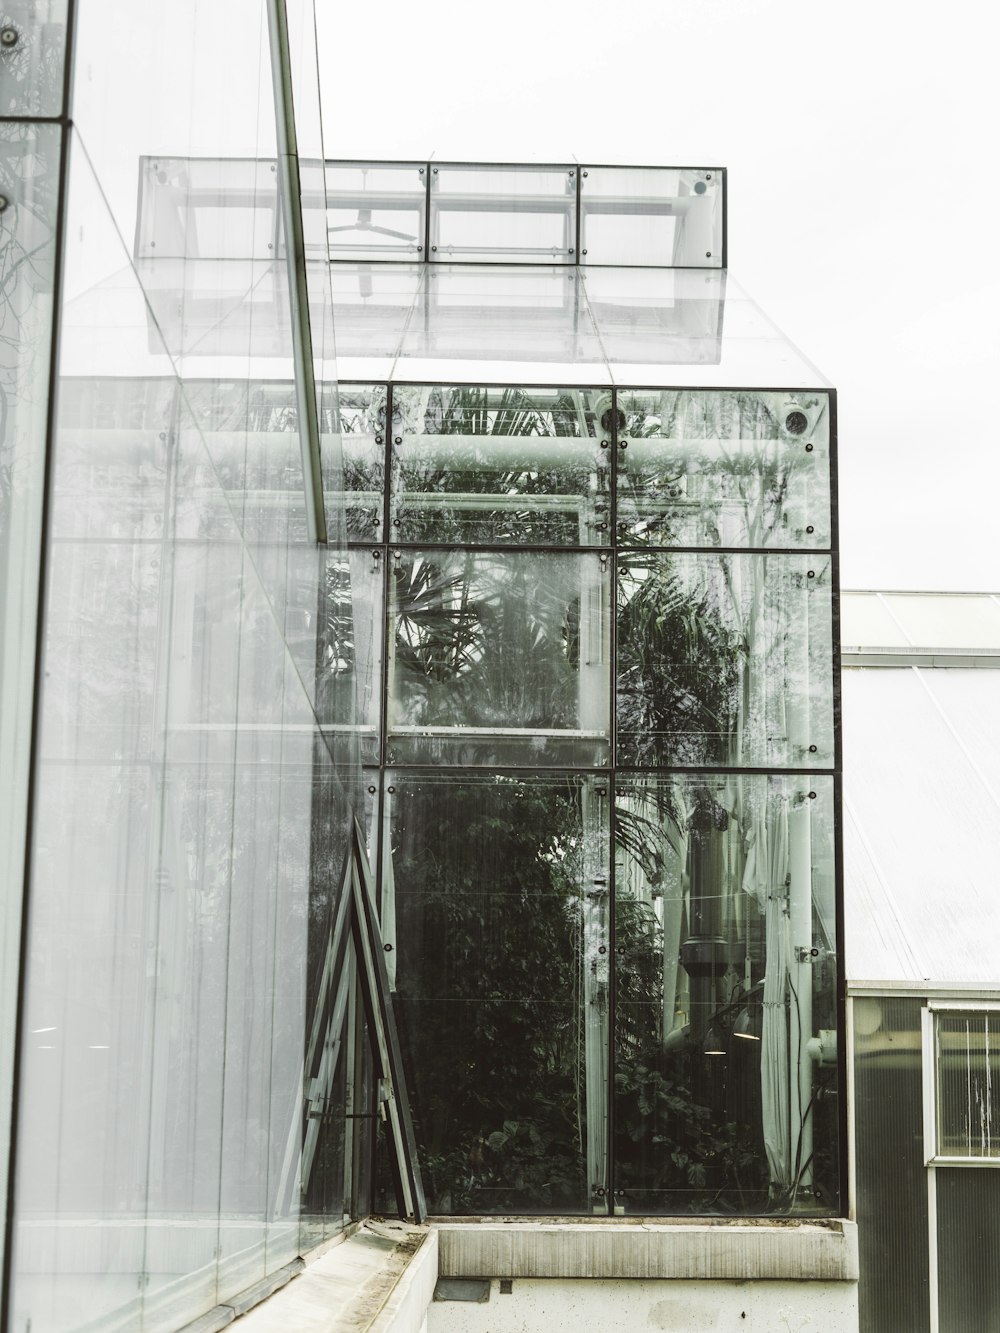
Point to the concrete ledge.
(780, 1249)
(380, 1280)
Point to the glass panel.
(350, 649)
(376, 210)
(725, 1011)
(661, 316)
(724, 469)
(188, 824)
(751, 363)
(724, 660)
(471, 315)
(33, 58)
(29, 174)
(372, 304)
(499, 658)
(363, 426)
(499, 910)
(968, 1204)
(505, 215)
(660, 216)
(501, 466)
(891, 1176)
(968, 1070)
(206, 209)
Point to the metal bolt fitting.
(4, 203)
(9, 37)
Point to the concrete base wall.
(567, 1305)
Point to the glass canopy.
(470, 272)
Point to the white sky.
(864, 198)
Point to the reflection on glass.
(499, 899)
(363, 426)
(29, 173)
(376, 210)
(501, 466)
(724, 469)
(498, 658)
(349, 652)
(724, 660)
(652, 216)
(665, 316)
(33, 58)
(189, 831)
(497, 214)
(472, 315)
(725, 1046)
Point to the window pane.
(968, 1079)
(350, 649)
(659, 216)
(725, 1011)
(724, 469)
(661, 316)
(376, 210)
(362, 426)
(502, 214)
(32, 67)
(496, 894)
(724, 660)
(499, 658)
(482, 323)
(501, 466)
(29, 172)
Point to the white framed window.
(961, 1082)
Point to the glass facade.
(184, 749)
(557, 632)
(608, 855)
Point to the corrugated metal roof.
(922, 826)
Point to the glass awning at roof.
(465, 272)
(464, 323)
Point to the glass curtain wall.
(32, 145)
(605, 720)
(196, 762)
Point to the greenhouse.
(438, 723)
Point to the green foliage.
(684, 714)
(488, 989)
(670, 1141)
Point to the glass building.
(438, 728)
